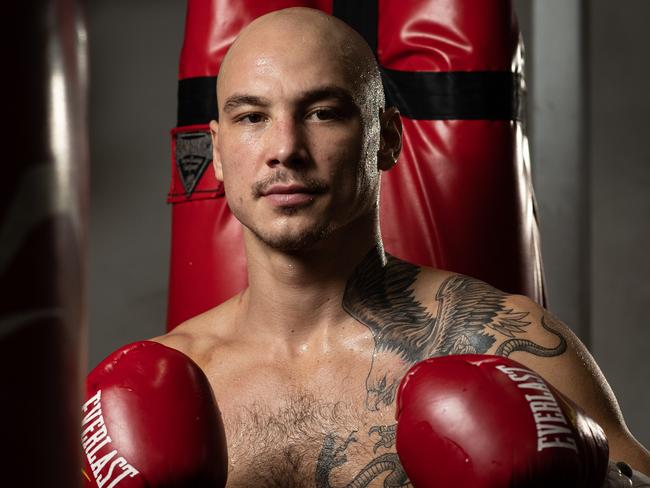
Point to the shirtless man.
(305, 362)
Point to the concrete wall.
(588, 118)
(134, 49)
(558, 131)
(619, 152)
(594, 242)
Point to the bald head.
(312, 35)
(302, 135)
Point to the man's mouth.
(289, 194)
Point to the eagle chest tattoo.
(380, 295)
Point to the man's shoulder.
(474, 317)
(401, 290)
(468, 315)
(436, 286)
(200, 335)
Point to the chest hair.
(280, 447)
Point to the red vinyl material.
(447, 35)
(460, 197)
(489, 422)
(135, 432)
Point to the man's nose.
(286, 143)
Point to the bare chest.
(311, 441)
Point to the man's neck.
(295, 297)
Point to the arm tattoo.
(511, 345)
(332, 456)
(380, 295)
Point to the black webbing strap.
(197, 100)
(361, 15)
(489, 95)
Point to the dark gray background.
(588, 120)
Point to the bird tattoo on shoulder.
(380, 294)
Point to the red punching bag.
(460, 197)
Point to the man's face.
(295, 145)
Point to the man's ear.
(390, 138)
(216, 155)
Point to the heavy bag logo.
(193, 155)
(107, 467)
(552, 426)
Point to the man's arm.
(574, 372)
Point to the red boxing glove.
(151, 420)
(489, 422)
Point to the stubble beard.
(290, 241)
(309, 236)
(301, 240)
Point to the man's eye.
(324, 114)
(252, 118)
